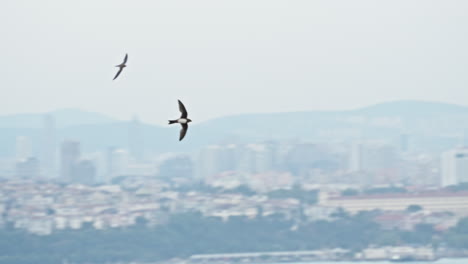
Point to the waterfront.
(440, 261)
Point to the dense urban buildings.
(58, 182)
(58, 185)
(48, 154)
(454, 167)
(69, 156)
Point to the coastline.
(369, 255)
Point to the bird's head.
(189, 120)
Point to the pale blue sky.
(229, 57)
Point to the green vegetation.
(414, 208)
(350, 192)
(457, 237)
(203, 188)
(296, 192)
(188, 234)
(370, 191)
(385, 190)
(458, 188)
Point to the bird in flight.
(121, 66)
(183, 121)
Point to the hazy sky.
(229, 57)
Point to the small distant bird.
(121, 66)
(183, 120)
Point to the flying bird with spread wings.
(121, 66)
(183, 120)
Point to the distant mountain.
(434, 126)
(412, 108)
(63, 118)
(403, 116)
(431, 125)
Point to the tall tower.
(120, 160)
(135, 139)
(355, 162)
(49, 146)
(69, 156)
(23, 148)
(109, 171)
(454, 167)
(208, 164)
(404, 143)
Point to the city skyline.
(391, 122)
(322, 131)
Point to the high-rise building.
(69, 156)
(176, 166)
(229, 157)
(49, 148)
(247, 159)
(454, 167)
(109, 169)
(99, 161)
(120, 161)
(208, 161)
(23, 148)
(7, 167)
(371, 156)
(307, 160)
(355, 160)
(84, 172)
(136, 139)
(379, 160)
(404, 142)
(27, 168)
(256, 158)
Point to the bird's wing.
(118, 73)
(125, 59)
(182, 110)
(183, 131)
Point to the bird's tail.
(172, 121)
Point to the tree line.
(191, 233)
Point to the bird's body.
(183, 121)
(179, 121)
(121, 66)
